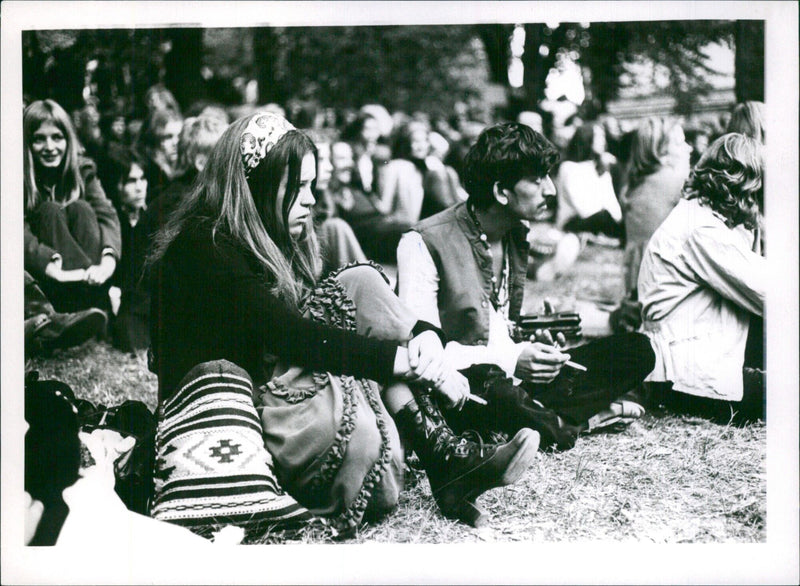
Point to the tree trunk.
(749, 60)
(536, 65)
(183, 65)
(268, 58)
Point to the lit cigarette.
(477, 399)
(576, 366)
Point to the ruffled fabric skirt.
(335, 447)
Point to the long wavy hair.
(69, 183)
(649, 148)
(728, 178)
(253, 211)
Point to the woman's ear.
(500, 194)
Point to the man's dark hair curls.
(505, 153)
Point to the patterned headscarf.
(262, 132)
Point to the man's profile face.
(530, 197)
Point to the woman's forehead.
(48, 127)
(308, 168)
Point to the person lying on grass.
(237, 305)
(464, 269)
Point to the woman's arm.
(37, 254)
(225, 282)
(107, 220)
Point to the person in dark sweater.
(235, 273)
(131, 324)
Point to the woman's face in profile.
(168, 140)
(324, 166)
(301, 208)
(678, 150)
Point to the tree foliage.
(402, 67)
(604, 49)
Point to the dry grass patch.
(666, 479)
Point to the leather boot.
(509, 408)
(460, 469)
(64, 330)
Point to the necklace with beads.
(499, 296)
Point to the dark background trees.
(403, 67)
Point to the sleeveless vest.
(465, 273)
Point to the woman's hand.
(100, 273)
(540, 363)
(423, 349)
(33, 514)
(434, 372)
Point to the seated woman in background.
(72, 234)
(700, 281)
(131, 302)
(363, 135)
(198, 136)
(658, 168)
(237, 302)
(586, 198)
(400, 183)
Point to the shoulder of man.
(447, 216)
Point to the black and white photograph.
(400, 292)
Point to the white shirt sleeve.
(417, 278)
(418, 288)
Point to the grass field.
(666, 479)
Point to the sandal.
(619, 415)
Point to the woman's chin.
(54, 164)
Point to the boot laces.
(465, 447)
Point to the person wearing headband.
(237, 300)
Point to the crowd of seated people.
(188, 234)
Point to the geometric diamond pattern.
(224, 451)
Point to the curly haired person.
(702, 277)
